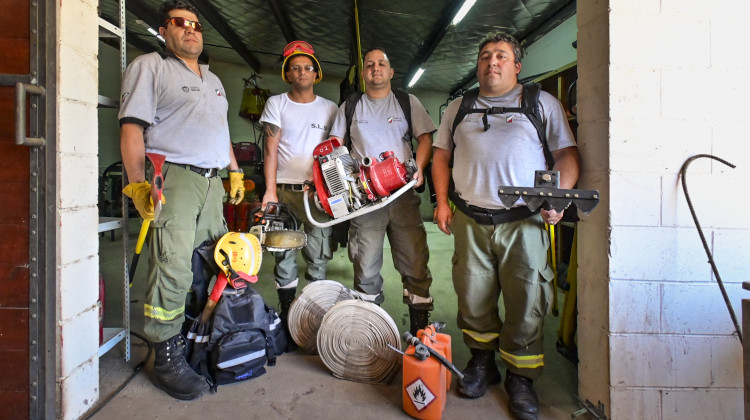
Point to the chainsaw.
(276, 229)
(346, 188)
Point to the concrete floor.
(300, 386)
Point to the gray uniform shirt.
(506, 154)
(379, 125)
(185, 115)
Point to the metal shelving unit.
(115, 335)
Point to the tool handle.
(131, 269)
(362, 211)
(138, 249)
(208, 310)
(213, 298)
(142, 236)
(221, 284)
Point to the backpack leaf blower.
(346, 188)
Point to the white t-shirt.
(507, 154)
(303, 126)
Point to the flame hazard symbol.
(419, 394)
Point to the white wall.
(76, 253)
(659, 82)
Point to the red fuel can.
(426, 381)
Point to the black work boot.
(286, 297)
(524, 404)
(174, 374)
(480, 373)
(418, 319)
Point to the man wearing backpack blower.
(379, 123)
(494, 142)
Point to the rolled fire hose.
(355, 342)
(308, 310)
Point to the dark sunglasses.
(181, 22)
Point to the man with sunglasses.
(294, 123)
(173, 105)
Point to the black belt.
(491, 217)
(208, 173)
(293, 187)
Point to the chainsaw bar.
(282, 240)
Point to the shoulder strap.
(530, 107)
(466, 107)
(403, 101)
(467, 104)
(351, 105)
(402, 97)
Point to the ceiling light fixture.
(416, 77)
(463, 11)
(156, 34)
(151, 30)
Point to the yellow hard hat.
(239, 254)
(300, 47)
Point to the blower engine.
(345, 189)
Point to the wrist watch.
(238, 171)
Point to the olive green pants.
(402, 222)
(193, 213)
(509, 258)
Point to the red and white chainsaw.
(346, 188)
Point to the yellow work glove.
(140, 193)
(236, 187)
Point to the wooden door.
(24, 321)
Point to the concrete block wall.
(76, 208)
(661, 81)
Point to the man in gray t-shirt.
(174, 106)
(379, 125)
(497, 250)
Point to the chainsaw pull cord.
(683, 173)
